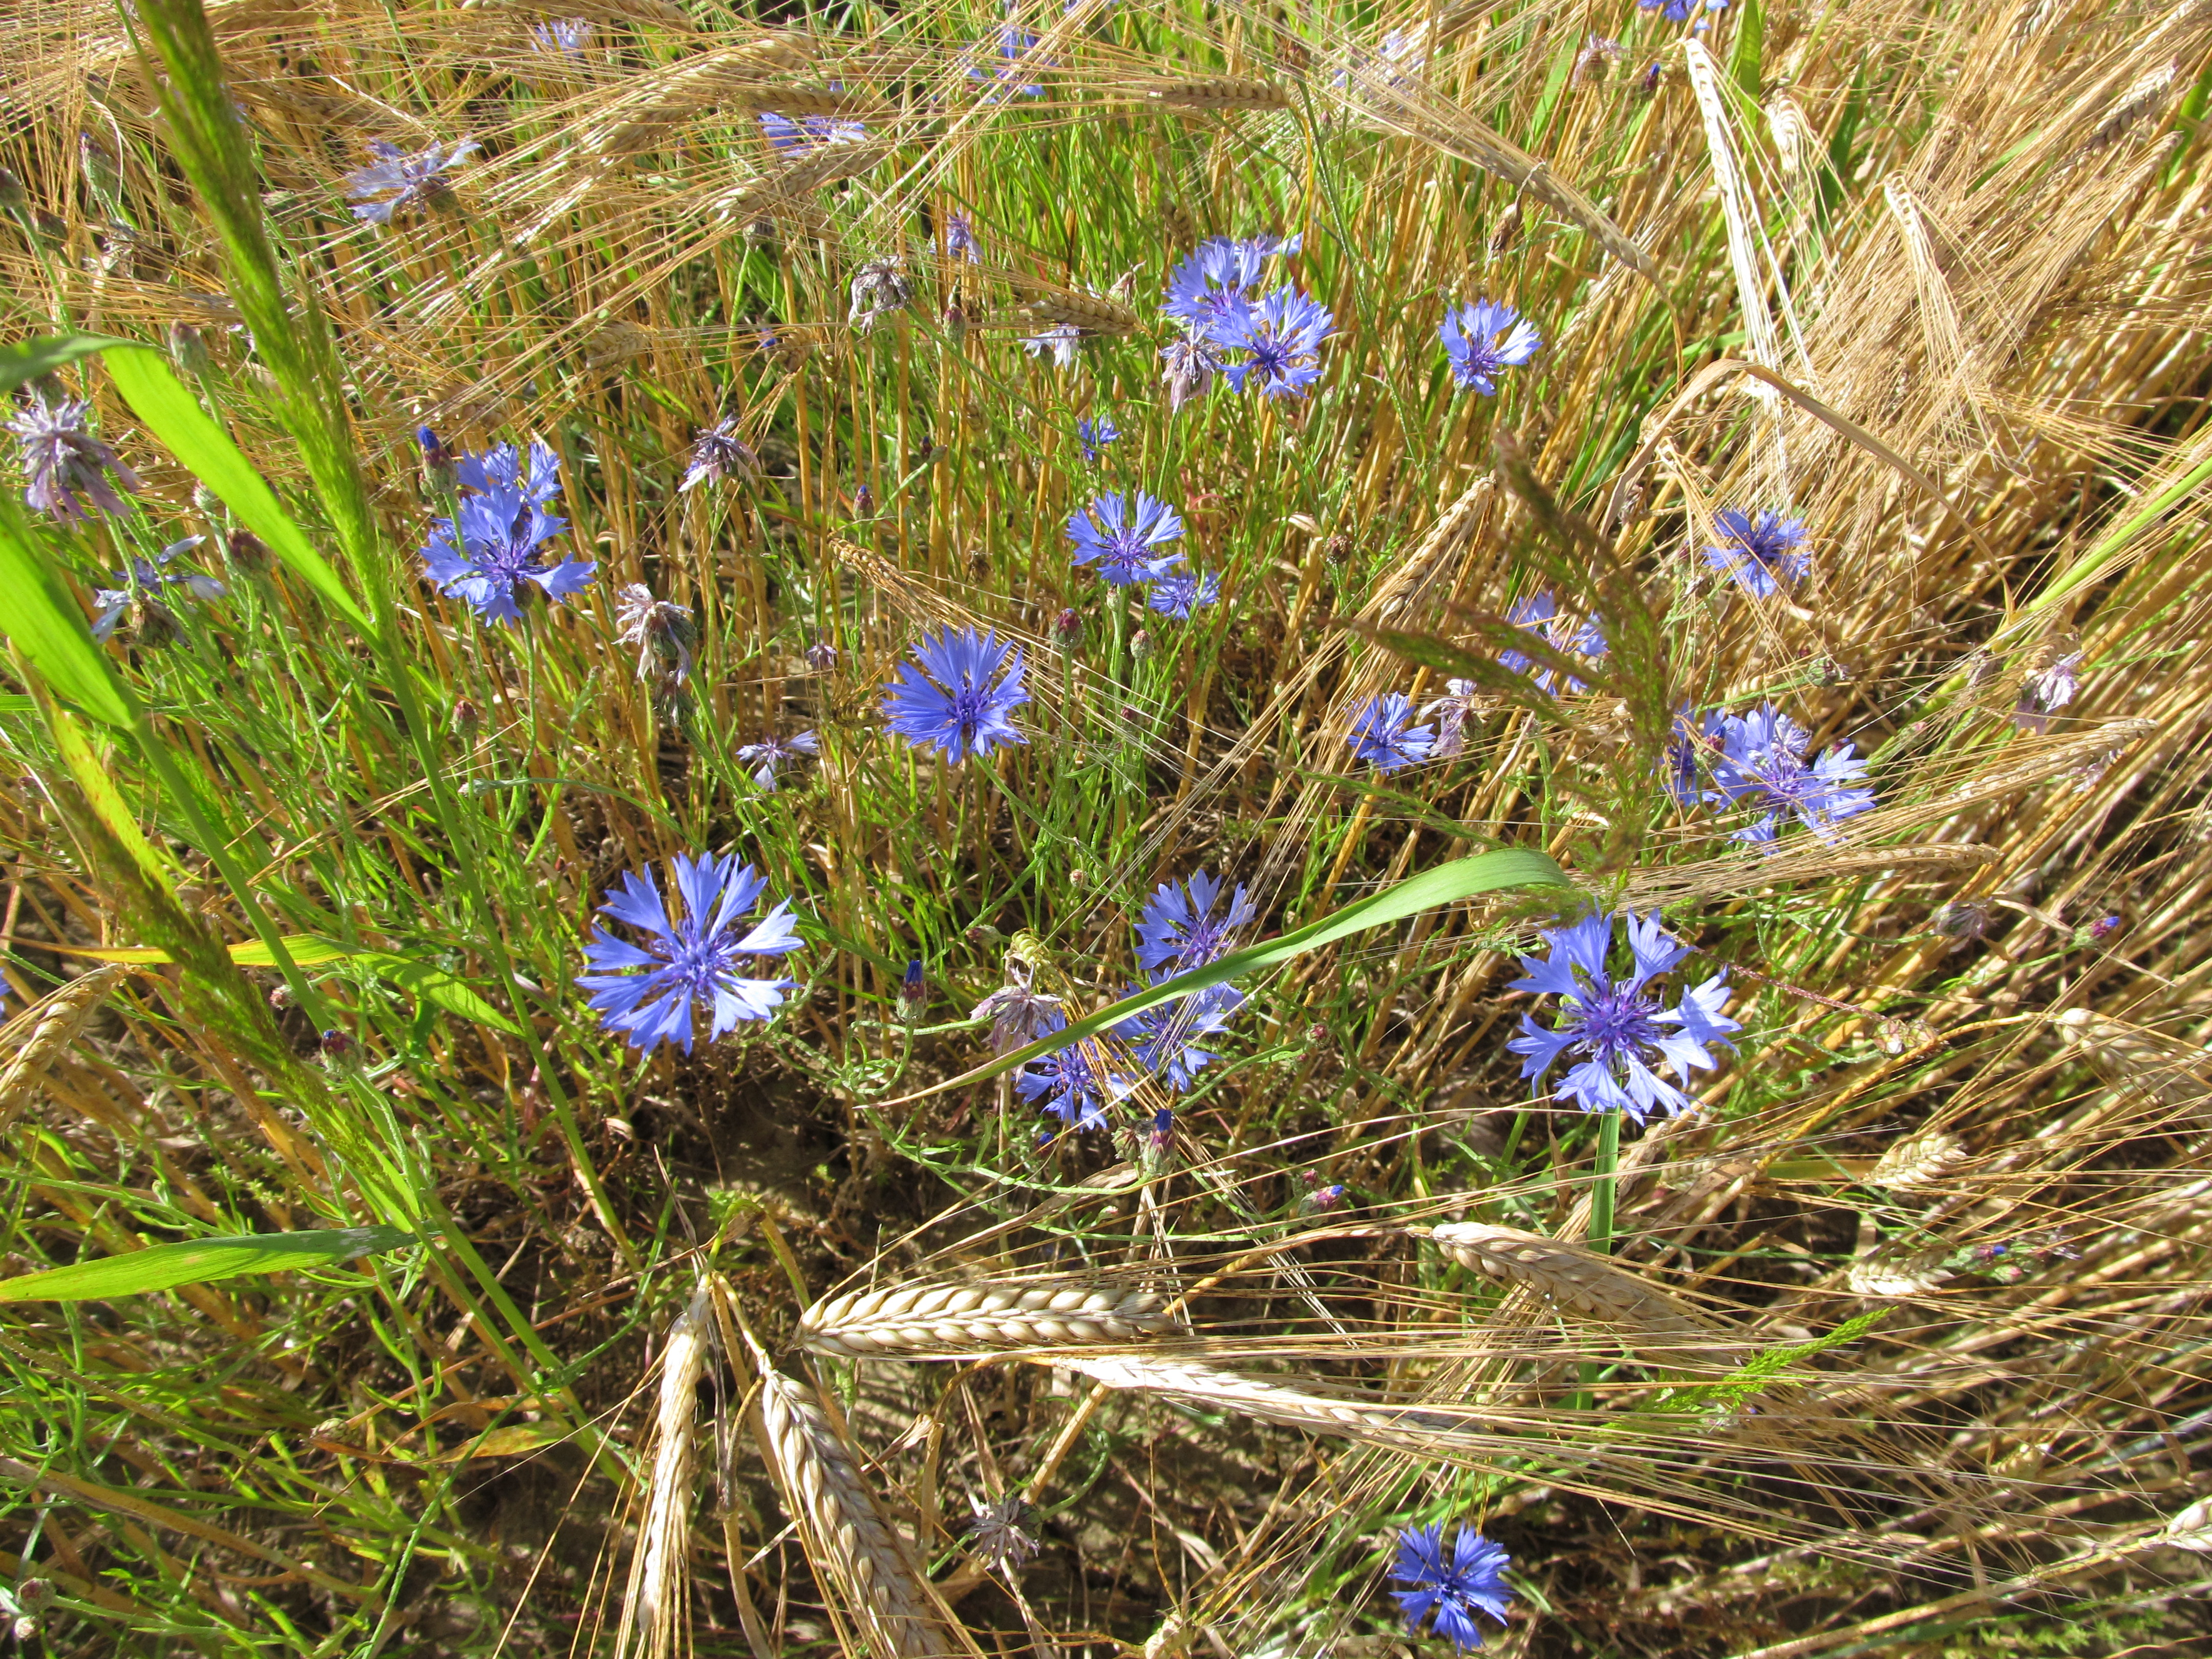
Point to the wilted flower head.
(493, 544)
(810, 132)
(1186, 926)
(958, 695)
(1191, 362)
(1076, 1085)
(821, 656)
(143, 585)
(1471, 1581)
(1385, 735)
(62, 460)
(2049, 690)
(1760, 552)
(1598, 54)
(1763, 763)
(1451, 712)
(1096, 435)
(1179, 592)
(646, 993)
(1118, 535)
(718, 452)
(1284, 333)
(1058, 339)
(960, 238)
(879, 287)
(660, 629)
(996, 1535)
(1616, 1026)
(1483, 340)
(769, 753)
(1020, 1013)
(414, 181)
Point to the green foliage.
(199, 1262)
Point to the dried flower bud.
(1068, 629)
(467, 715)
(280, 997)
(1140, 648)
(246, 550)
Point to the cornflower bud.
(336, 1048)
(189, 349)
(914, 994)
(246, 551)
(1068, 629)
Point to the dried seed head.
(1874, 1277)
(915, 1321)
(1218, 92)
(1917, 1162)
(1581, 1282)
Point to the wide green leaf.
(41, 616)
(198, 1260)
(1448, 883)
(29, 359)
(158, 398)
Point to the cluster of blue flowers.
(1760, 760)
(1214, 297)
(1118, 536)
(496, 540)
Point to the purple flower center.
(1617, 1021)
(1273, 356)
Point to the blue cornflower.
(414, 180)
(1756, 551)
(1385, 737)
(1213, 283)
(492, 545)
(1617, 1024)
(1179, 592)
(1166, 1037)
(694, 958)
(960, 238)
(1013, 43)
(769, 753)
(1178, 929)
(1483, 340)
(62, 460)
(566, 36)
(1096, 435)
(810, 132)
(1192, 361)
(1763, 763)
(1540, 614)
(1284, 334)
(1693, 746)
(1474, 1580)
(1076, 1085)
(958, 699)
(1118, 535)
(143, 583)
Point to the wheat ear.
(60, 1017)
(914, 1321)
(837, 1522)
(1917, 1162)
(1088, 312)
(651, 1603)
(1585, 1284)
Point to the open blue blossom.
(1284, 333)
(1192, 360)
(1678, 11)
(1759, 553)
(1471, 1581)
(1179, 592)
(1615, 1028)
(1165, 1038)
(1076, 1085)
(1117, 535)
(809, 132)
(1483, 340)
(1013, 44)
(766, 756)
(646, 993)
(414, 181)
(1385, 737)
(1540, 614)
(495, 542)
(62, 460)
(1181, 927)
(1692, 747)
(1763, 763)
(959, 694)
(1210, 286)
(565, 37)
(144, 584)
(1096, 435)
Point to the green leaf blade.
(198, 1261)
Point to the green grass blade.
(198, 1260)
(29, 359)
(44, 620)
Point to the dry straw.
(914, 1321)
(1581, 1282)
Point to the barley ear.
(914, 1321)
(654, 1598)
(54, 1025)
